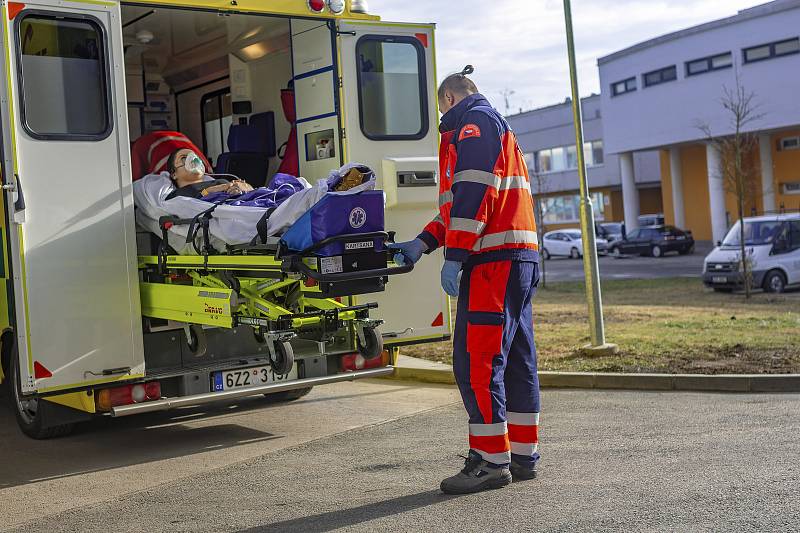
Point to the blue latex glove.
(451, 277)
(409, 251)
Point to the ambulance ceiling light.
(144, 36)
(359, 6)
(254, 51)
(336, 6)
(316, 5)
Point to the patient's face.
(184, 177)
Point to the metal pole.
(591, 270)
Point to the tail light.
(316, 5)
(128, 394)
(355, 361)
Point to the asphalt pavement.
(632, 267)
(612, 460)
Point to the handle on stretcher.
(298, 265)
(351, 276)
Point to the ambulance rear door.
(388, 86)
(66, 175)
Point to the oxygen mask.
(194, 164)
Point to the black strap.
(261, 227)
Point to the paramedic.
(187, 172)
(487, 227)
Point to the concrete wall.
(669, 113)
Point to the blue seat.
(251, 145)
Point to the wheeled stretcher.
(298, 286)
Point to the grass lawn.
(666, 325)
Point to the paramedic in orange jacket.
(487, 228)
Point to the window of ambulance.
(392, 94)
(63, 76)
(216, 112)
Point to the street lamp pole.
(591, 269)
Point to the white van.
(773, 244)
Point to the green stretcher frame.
(211, 300)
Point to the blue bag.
(337, 214)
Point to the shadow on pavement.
(107, 443)
(356, 515)
(114, 443)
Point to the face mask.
(194, 164)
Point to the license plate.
(248, 377)
(681, 237)
(719, 279)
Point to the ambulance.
(83, 80)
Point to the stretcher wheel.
(282, 359)
(373, 346)
(196, 341)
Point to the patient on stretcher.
(188, 173)
(185, 190)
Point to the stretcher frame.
(278, 292)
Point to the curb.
(623, 381)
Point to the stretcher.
(278, 290)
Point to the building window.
(789, 143)
(64, 87)
(624, 86)
(566, 158)
(707, 64)
(392, 87)
(530, 160)
(662, 75)
(768, 51)
(566, 209)
(216, 112)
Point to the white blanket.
(229, 224)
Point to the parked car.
(610, 231)
(568, 243)
(654, 241)
(651, 220)
(773, 244)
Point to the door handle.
(416, 179)
(19, 203)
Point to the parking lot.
(632, 267)
(368, 456)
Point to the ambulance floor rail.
(211, 397)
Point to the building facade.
(547, 137)
(666, 94)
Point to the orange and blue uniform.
(486, 222)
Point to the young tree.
(540, 185)
(737, 169)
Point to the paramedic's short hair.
(458, 83)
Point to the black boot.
(477, 475)
(522, 471)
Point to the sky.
(520, 45)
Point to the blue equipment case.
(338, 214)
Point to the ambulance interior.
(200, 73)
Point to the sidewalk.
(413, 369)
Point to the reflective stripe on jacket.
(485, 201)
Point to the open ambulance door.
(391, 124)
(68, 197)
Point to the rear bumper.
(211, 397)
(676, 246)
(731, 280)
